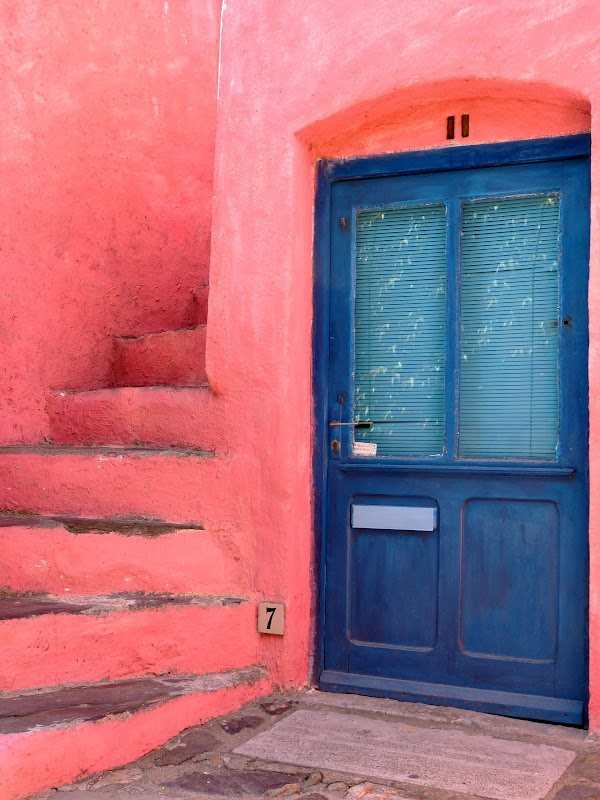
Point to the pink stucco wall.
(107, 142)
(299, 81)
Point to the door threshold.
(490, 701)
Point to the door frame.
(390, 165)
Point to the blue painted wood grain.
(479, 656)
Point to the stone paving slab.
(192, 743)
(201, 761)
(462, 762)
(446, 717)
(233, 783)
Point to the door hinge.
(345, 224)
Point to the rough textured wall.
(294, 77)
(106, 164)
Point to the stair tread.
(126, 526)
(10, 520)
(19, 606)
(45, 708)
(102, 450)
(144, 391)
(160, 333)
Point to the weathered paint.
(61, 754)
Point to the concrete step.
(57, 735)
(155, 416)
(171, 358)
(74, 555)
(179, 484)
(48, 640)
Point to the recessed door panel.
(509, 579)
(393, 588)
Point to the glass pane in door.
(509, 327)
(400, 329)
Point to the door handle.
(350, 424)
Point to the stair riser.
(172, 358)
(179, 488)
(157, 417)
(58, 649)
(54, 561)
(67, 754)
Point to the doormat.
(460, 762)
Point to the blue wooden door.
(454, 411)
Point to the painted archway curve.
(414, 117)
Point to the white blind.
(509, 327)
(400, 328)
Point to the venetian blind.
(400, 328)
(509, 327)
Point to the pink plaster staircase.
(159, 395)
(115, 596)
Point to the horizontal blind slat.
(509, 327)
(400, 328)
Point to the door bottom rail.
(490, 701)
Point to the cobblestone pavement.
(200, 764)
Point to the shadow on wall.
(414, 118)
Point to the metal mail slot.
(394, 518)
